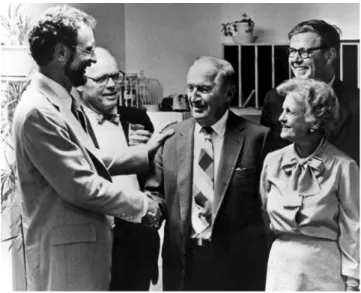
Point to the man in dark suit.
(135, 247)
(314, 49)
(206, 177)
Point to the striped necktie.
(204, 185)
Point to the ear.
(62, 53)
(331, 55)
(313, 128)
(231, 93)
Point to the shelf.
(259, 67)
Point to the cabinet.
(261, 67)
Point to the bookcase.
(261, 67)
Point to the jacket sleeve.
(61, 162)
(266, 115)
(148, 123)
(349, 220)
(131, 160)
(154, 185)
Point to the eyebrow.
(107, 74)
(90, 48)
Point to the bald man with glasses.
(312, 53)
(135, 247)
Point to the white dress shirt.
(111, 138)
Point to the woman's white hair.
(322, 107)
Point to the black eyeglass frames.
(304, 53)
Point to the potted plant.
(17, 64)
(10, 203)
(15, 26)
(240, 31)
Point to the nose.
(110, 83)
(296, 58)
(93, 58)
(282, 117)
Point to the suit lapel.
(232, 146)
(125, 126)
(86, 141)
(185, 176)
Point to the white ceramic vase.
(244, 33)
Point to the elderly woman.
(310, 196)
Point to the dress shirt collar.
(100, 117)
(63, 96)
(219, 128)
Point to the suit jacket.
(66, 195)
(145, 241)
(347, 135)
(238, 249)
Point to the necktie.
(204, 185)
(114, 118)
(79, 114)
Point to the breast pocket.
(244, 175)
(244, 185)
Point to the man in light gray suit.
(67, 194)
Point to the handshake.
(153, 217)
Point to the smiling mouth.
(198, 108)
(110, 95)
(300, 68)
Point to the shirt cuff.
(352, 282)
(145, 207)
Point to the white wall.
(164, 39)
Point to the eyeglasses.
(91, 53)
(116, 77)
(304, 53)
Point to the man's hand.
(153, 216)
(137, 137)
(157, 140)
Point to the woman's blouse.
(317, 196)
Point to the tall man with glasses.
(66, 191)
(135, 247)
(313, 53)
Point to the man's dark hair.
(58, 24)
(329, 34)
